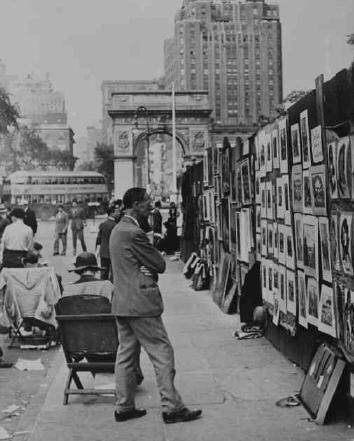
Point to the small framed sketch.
(246, 182)
(275, 148)
(299, 239)
(345, 241)
(313, 301)
(325, 249)
(264, 237)
(286, 193)
(289, 248)
(307, 197)
(291, 292)
(281, 244)
(311, 246)
(295, 143)
(332, 169)
(269, 193)
(334, 241)
(305, 139)
(327, 321)
(283, 144)
(280, 198)
(269, 162)
(318, 183)
(343, 167)
(316, 144)
(282, 288)
(302, 299)
(270, 238)
(297, 181)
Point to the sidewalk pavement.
(236, 383)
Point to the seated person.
(86, 267)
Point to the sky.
(83, 42)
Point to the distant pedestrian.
(30, 217)
(16, 240)
(78, 222)
(5, 219)
(102, 242)
(156, 223)
(61, 230)
(137, 303)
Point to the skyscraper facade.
(232, 49)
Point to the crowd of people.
(130, 245)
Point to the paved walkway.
(236, 383)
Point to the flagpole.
(174, 159)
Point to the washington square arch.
(141, 119)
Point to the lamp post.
(142, 111)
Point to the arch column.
(123, 159)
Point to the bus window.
(34, 199)
(41, 199)
(34, 181)
(54, 180)
(60, 180)
(47, 199)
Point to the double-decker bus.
(45, 190)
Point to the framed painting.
(275, 241)
(281, 244)
(343, 168)
(316, 144)
(263, 199)
(280, 198)
(307, 196)
(327, 319)
(289, 248)
(335, 241)
(318, 186)
(302, 299)
(275, 147)
(305, 139)
(270, 242)
(246, 182)
(291, 292)
(311, 246)
(325, 247)
(269, 153)
(269, 198)
(258, 218)
(286, 194)
(297, 192)
(295, 143)
(345, 241)
(332, 169)
(283, 144)
(299, 239)
(282, 289)
(313, 301)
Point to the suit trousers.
(58, 237)
(78, 234)
(106, 265)
(150, 332)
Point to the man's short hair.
(18, 212)
(135, 194)
(158, 204)
(37, 246)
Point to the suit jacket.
(135, 295)
(31, 220)
(78, 218)
(61, 222)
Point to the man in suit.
(137, 303)
(102, 242)
(78, 222)
(61, 230)
(30, 218)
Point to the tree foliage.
(8, 113)
(104, 158)
(350, 39)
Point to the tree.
(104, 156)
(87, 166)
(8, 113)
(350, 39)
(62, 160)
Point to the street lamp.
(142, 111)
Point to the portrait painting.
(307, 196)
(343, 168)
(313, 301)
(291, 292)
(311, 246)
(282, 289)
(345, 242)
(289, 244)
(327, 320)
(332, 169)
(302, 299)
(295, 143)
(305, 139)
(335, 241)
(283, 145)
(286, 194)
(299, 239)
(325, 249)
(316, 144)
(297, 193)
(246, 182)
(281, 244)
(275, 148)
(318, 182)
(280, 198)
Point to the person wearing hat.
(61, 230)
(30, 218)
(78, 222)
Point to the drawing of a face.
(298, 190)
(318, 192)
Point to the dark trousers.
(78, 234)
(12, 258)
(106, 265)
(60, 237)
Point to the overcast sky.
(82, 42)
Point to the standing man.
(61, 230)
(102, 242)
(156, 222)
(16, 240)
(78, 222)
(137, 303)
(30, 218)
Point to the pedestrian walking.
(78, 222)
(30, 217)
(137, 303)
(102, 242)
(16, 240)
(61, 230)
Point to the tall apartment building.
(233, 49)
